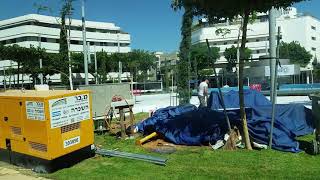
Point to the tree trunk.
(185, 46)
(18, 73)
(195, 64)
(103, 70)
(241, 65)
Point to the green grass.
(194, 163)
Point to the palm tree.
(185, 46)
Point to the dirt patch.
(161, 146)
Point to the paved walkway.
(12, 174)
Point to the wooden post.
(131, 120)
(123, 132)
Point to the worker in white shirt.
(203, 93)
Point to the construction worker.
(203, 93)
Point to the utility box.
(45, 130)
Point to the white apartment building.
(29, 29)
(303, 28)
(39, 30)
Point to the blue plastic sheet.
(252, 98)
(188, 125)
(162, 116)
(191, 127)
(295, 117)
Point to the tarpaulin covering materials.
(296, 117)
(162, 116)
(188, 125)
(231, 99)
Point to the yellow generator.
(45, 130)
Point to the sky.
(152, 24)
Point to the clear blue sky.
(153, 25)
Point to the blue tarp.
(223, 89)
(162, 116)
(252, 98)
(296, 117)
(191, 127)
(188, 125)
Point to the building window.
(51, 40)
(10, 41)
(31, 38)
(214, 44)
(225, 43)
(314, 49)
(112, 44)
(124, 44)
(314, 38)
(258, 52)
(74, 42)
(43, 39)
(313, 27)
(21, 39)
(257, 40)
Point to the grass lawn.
(194, 163)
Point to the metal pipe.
(88, 52)
(272, 46)
(96, 65)
(40, 61)
(120, 71)
(146, 158)
(274, 97)
(69, 53)
(135, 156)
(84, 45)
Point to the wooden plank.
(131, 120)
(123, 103)
(123, 132)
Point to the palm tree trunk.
(195, 63)
(241, 65)
(183, 78)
